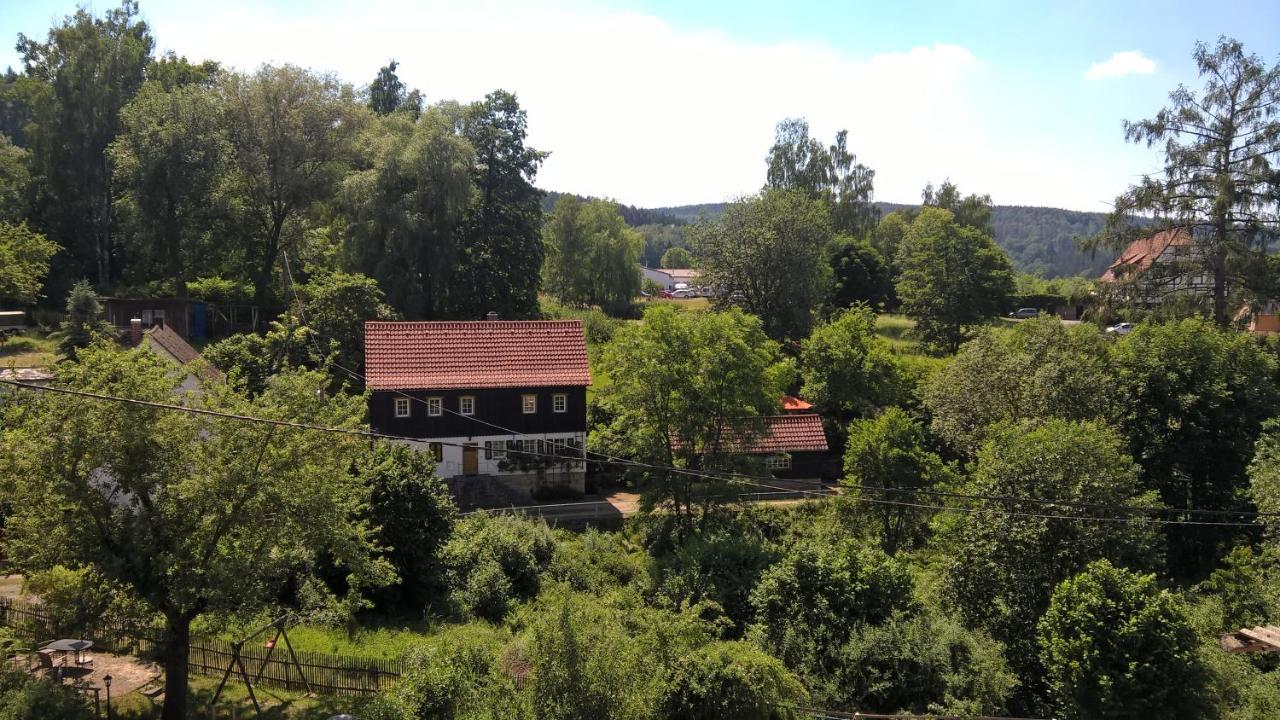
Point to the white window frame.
(529, 404)
(777, 462)
(402, 408)
(435, 406)
(463, 402)
(560, 403)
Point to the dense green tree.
(800, 162)
(686, 389)
(743, 253)
(847, 371)
(973, 211)
(250, 360)
(292, 132)
(1264, 476)
(676, 257)
(1219, 177)
(923, 662)
(24, 263)
(723, 569)
(387, 93)
(83, 322)
(15, 181)
(88, 69)
(726, 680)
(500, 236)
(403, 210)
(1002, 566)
(493, 561)
(169, 169)
(886, 239)
(952, 277)
(811, 601)
(172, 71)
(1038, 370)
(1191, 400)
(1114, 645)
(658, 239)
(178, 515)
(336, 305)
(411, 507)
(889, 452)
(593, 258)
(859, 275)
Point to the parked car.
(1024, 313)
(1123, 328)
(684, 293)
(12, 323)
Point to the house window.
(559, 402)
(435, 406)
(437, 451)
(466, 405)
(402, 407)
(778, 462)
(488, 449)
(529, 404)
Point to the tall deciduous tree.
(387, 93)
(1046, 369)
(889, 452)
(89, 68)
(687, 389)
(1115, 645)
(15, 181)
(292, 131)
(193, 514)
(169, 167)
(952, 277)
(500, 237)
(593, 258)
(1002, 567)
(676, 257)
(847, 371)
(1191, 400)
(336, 306)
(800, 162)
(767, 255)
(24, 262)
(402, 211)
(970, 210)
(859, 275)
(1218, 184)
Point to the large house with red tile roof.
(1154, 267)
(500, 399)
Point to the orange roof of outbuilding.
(790, 403)
(794, 432)
(475, 354)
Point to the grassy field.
(380, 642)
(28, 350)
(276, 704)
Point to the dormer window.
(402, 407)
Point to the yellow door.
(470, 460)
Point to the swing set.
(237, 660)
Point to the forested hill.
(1038, 239)
(632, 215)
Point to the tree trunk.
(177, 645)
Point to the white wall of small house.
(659, 277)
(451, 450)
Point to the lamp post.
(106, 682)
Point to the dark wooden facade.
(502, 407)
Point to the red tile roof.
(1142, 252)
(791, 403)
(481, 354)
(796, 432)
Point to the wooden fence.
(327, 674)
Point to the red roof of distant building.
(780, 434)
(481, 354)
(791, 403)
(1144, 251)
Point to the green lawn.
(276, 704)
(30, 349)
(379, 642)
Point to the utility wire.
(739, 479)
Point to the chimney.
(135, 331)
(493, 315)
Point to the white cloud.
(1129, 62)
(650, 114)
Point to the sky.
(671, 102)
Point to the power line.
(736, 478)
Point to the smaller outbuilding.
(671, 278)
